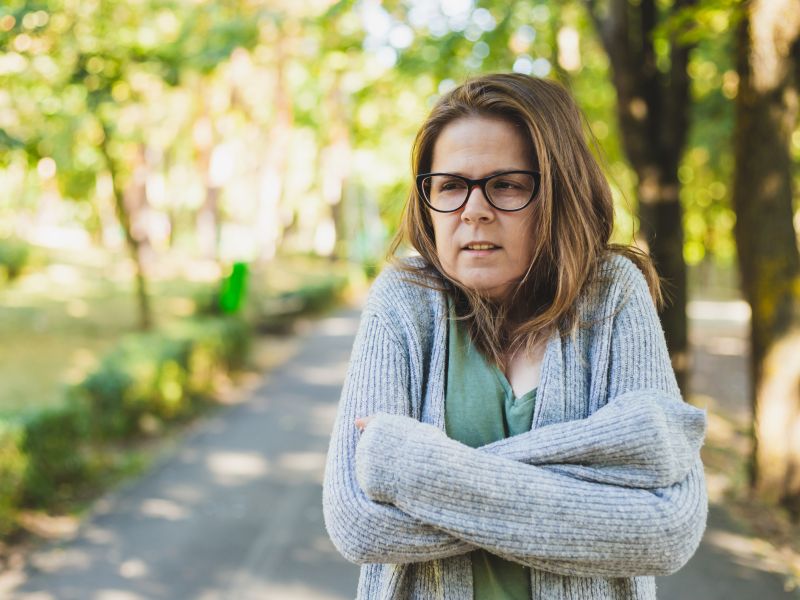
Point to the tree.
(652, 87)
(102, 68)
(768, 56)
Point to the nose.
(477, 207)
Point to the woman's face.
(476, 147)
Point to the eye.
(505, 184)
(450, 184)
(512, 183)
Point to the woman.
(510, 425)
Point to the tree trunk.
(132, 239)
(653, 109)
(268, 222)
(769, 264)
(207, 226)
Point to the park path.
(234, 513)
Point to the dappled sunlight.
(184, 493)
(81, 363)
(301, 463)
(749, 552)
(163, 509)
(99, 535)
(721, 430)
(236, 468)
(117, 595)
(737, 311)
(181, 307)
(134, 568)
(726, 346)
(36, 596)
(77, 308)
(59, 559)
(717, 486)
(59, 281)
(284, 591)
(49, 526)
(339, 326)
(202, 271)
(331, 374)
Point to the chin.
(492, 290)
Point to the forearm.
(365, 531)
(645, 439)
(527, 513)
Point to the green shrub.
(14, 255)
(206, 302)
(153, 379)
(322, 294)
(58, 466)
(13, 465)
(276, 313)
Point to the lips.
(481, 245)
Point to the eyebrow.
(489, 174)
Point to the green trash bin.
(232, 292)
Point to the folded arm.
(363, 530)
(643, 439)
(618, 494)
(530, 514)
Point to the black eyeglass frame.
(471, 183)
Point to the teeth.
(481, 246)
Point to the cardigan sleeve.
(530, 514)
(564, 517)
(363, 530)
(643, 438)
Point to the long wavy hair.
(571, 224)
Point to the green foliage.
(275, 314)
(13, 466)
(14, 255)
(153, 379)
(51, 458)
(58, 463)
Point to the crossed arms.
(618, 494)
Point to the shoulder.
(406, 297)
(622, 270)
(616, 282)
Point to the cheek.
(443, 238)
(522, 250)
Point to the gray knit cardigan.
(604, 492)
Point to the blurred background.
(182, 180)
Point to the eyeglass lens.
(507, 191)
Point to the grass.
(58, 321)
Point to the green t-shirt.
(480, 408)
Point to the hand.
(362, 422)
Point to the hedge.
(50, 458)
(14, 255)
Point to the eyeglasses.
(508, 191)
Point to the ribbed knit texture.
(603, 493)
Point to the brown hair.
(571, 223)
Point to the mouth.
(480, 248)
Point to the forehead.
(474, 146)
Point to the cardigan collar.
(550, 397)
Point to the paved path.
(235, 513)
